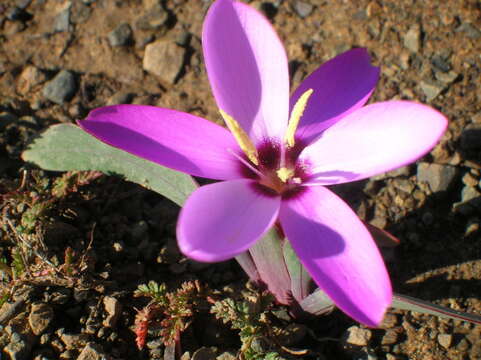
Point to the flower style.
(275, 167)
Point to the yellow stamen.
(296, 115)
(284, 174)
(242, 138)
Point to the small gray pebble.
(121, 35)
(61, 88)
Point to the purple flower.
(275, 167)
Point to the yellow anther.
(241, 137)
(285, 174)
(296, 115)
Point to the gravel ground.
(75, 247)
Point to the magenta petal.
(338, 252)
(340, 86)
(170, 138)
(374, 139)
(247, 68)
(221, 220)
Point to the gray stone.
(303, 9)
(447, 78)
(92, 352)
(431, 89)
(439, 177)
(62, 21)
(61, 88)
(19, 347)
(164, 59)
(470, 30)
(445, 340)
(357, 336)
(412, 39)
(121, 35)
(440, 63)
(471, 137)
(40, 317)
(113, 308)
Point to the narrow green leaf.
(66, 147)
(269, 260)
(318, 303)
(300, 278)
(404, 302)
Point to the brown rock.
(445, 340)
(113, 308)
(29, 78)
(164, 59)
(40, 317)
(357, 336)
(91, 352)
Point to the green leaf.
(66, 147)
(300, 278)
(269, 260)
(318, 303)
(404, 302)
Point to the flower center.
(274, 165)
(278, 170)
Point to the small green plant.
(173, 311)
(250, 316)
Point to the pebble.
(389, 321)
(446, 78)
(431, 89)
(40, 317)
(463, 345)
(303, 9)
(471, 137)
(412, 39)
(357, 336)
(440, 63)
(62, 21)
(120, 36)
(469, 194)
(155, 19)
(61, 88)
(226, 356)
(470, 30)
(18, 348)
(120, 98)
(73, 341)
(164, 59)
(113, 307)
(445, 340)
(390, 337)
(439, 177)
(470, 180)
(30, 77)
(9, 310)
(92, 352)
